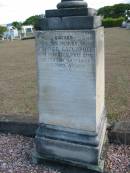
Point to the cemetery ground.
(18, 85)
(18, 91)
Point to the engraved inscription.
(67, 49)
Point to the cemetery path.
(15, 156)
(118, 159)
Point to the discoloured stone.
(64, 58)
(70, 23)
(70, 58)
(120, 133)
(71, 99)
(72, 4)
(64, 166)
(70, 12)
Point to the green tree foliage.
(17, 25)
(115, 11)
(112, 22)
(33, 20)
(2, 30)
(105, 11)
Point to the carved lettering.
(68, 50)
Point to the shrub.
(2, 30)
(112, 22)
(33, 20)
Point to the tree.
(33, 20)
(115, 11)
(119, 10)
(2, 30)
(17, 25)
(106, 11)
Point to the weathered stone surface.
(72, 4)
(21, 128)
(71, 12)
(64, 167)
(67, 12)
(120, 133)
(71, 95)
(70, 23)
(58, 146)
(70, 56)
(68, 76)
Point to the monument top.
(72, 4)
(68, 8)
(70, 15)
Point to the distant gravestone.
(70, 58)
(128, 25)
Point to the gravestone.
(70, 59)
(128, 25)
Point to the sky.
(19, 10)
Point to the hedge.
(112, 22)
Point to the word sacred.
(69, 37)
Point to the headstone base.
(72, 112)
(65, 166)
(85, 153)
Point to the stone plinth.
(72, 119)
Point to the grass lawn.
(18, 79)
(18, 86)
(117, 44)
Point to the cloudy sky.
(19, 10)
